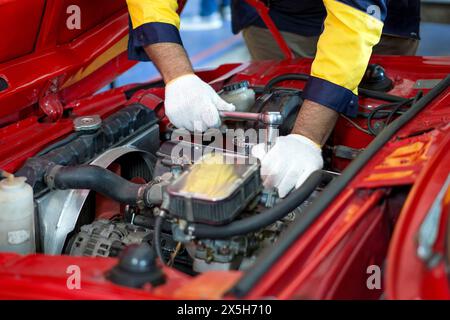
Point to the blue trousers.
(208, 7)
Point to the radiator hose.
(97, 179)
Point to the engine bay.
(197, 199)
(123, 177)
(96, 177)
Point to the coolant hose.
(98, 179)
(264, 219)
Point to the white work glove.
(289, 163)
(192, 104)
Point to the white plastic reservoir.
(240, 95)
(16, 216)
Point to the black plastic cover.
(137, 267)
(287, 102)
(115, 129)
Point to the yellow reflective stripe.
(147, 11)
(345, 46)
(100, 61)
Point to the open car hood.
(50, 62)
(53, 61)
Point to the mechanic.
(343, 53)
(301, 22)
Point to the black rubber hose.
(380, 95)
(395, 110)
(270, 256)
(157, 238)
(304, 77)
(395, 107)
(264, 219)
(94, 178)
(285, 77)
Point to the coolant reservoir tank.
(240, 95)
(16, 216)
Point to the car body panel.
(59, 80)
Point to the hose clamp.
(49, 177)
(140, 201)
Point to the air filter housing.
(215, 189)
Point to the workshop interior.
(92, 176)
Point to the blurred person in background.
(301, 24)
(212, 15)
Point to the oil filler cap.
(137, 267)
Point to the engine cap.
(137, 267)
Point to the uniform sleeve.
(151, 21)
(351, 29)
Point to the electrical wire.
(392, 109)
(374, 112)
(357, 126)
(174, 254)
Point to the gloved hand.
(192, 104)
(289, 163)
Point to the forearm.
(170, 59)
(315, 122)
(344, 49)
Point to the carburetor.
(215, 189)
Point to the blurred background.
(211, 43)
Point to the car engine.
(200, 204)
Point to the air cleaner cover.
(215, 189)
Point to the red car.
(374, 224)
